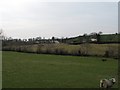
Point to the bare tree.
(1, 32)
(100, 33)
(1, 39)
(53, 39)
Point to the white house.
(93, 40)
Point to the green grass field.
(27, 70)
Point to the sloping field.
(27, 70)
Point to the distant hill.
(104, 38)
(92, 38)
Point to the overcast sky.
(33, 18)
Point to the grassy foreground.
(26, 70)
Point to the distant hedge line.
(104, 50)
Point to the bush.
(106, 50)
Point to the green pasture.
(27, 70)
